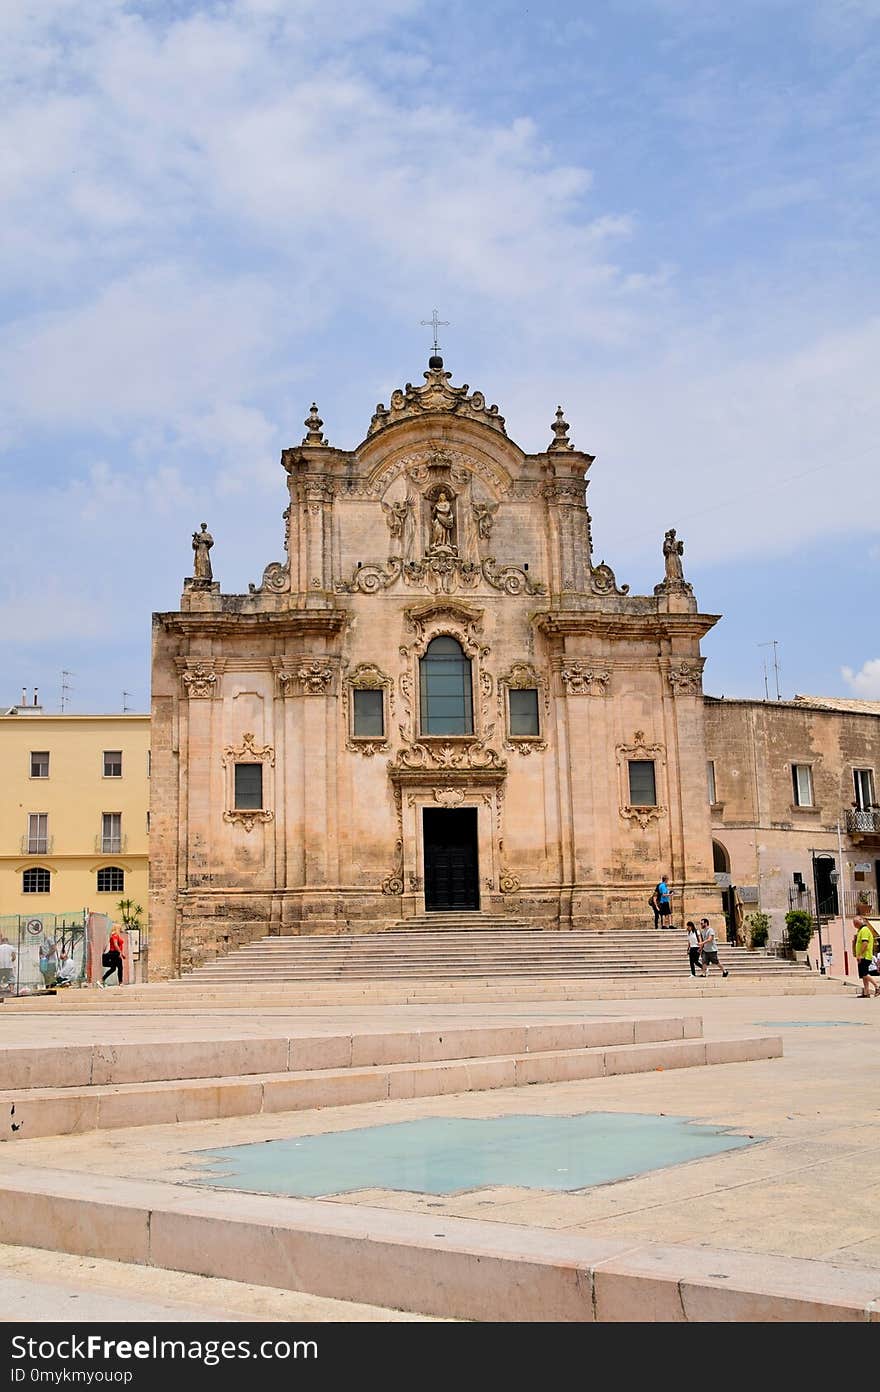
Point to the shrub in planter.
(800, 929)
(759, 929)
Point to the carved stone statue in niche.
(395, 516)
(442, 525)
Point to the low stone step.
(65, 1111)
(448, 1267)
(85, 1065)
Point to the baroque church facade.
(438, 701)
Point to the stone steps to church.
(456, 1065)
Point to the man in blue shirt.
(664, 906)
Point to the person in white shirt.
(7, 963)
(67, 970)
(694, 944)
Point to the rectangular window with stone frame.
(249, 787)
(522, 711)
(368, 715)
(802, 785)
(642, 783)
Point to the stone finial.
(560, 427)
(313, 424)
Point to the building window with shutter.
(642, 783)
(802, 785)
(40, 763)
(112, 763)
(111, 833)
(37, 840)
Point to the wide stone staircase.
(59, 1090)
(455, 947)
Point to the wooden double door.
(452, 872)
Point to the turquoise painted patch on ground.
(812, 1024)
(445, 1155)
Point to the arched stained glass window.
(447, 706)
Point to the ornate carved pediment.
(447, 617)
(436, 396)
(602, 581)
(446, 754)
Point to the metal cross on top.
(435, 324)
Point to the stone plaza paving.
(798, 1209)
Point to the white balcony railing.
(36, 845)
(110, 845)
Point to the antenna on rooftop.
(66, 689)
(125, 706)
(774, 645)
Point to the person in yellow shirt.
(863, 947)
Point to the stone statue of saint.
(673, 551)
(442, 522)
(201, 543)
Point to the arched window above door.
(446, 696)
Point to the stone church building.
(437, 701)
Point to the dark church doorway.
(452, 879)
(826, 889)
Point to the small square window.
(111, 880)
(642, 783)
(35, 881)
(112, 763)
(40, 763)
(802, 784)
(523, 708)
(369, 713)
(249, 787)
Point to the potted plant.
(759, 929)
(800, 930)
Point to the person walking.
(709, 955)
(695, 943)
(863, 948)
(113, 958)
(664, 902)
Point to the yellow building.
(73, 811)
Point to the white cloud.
(866, 682)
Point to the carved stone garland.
(200, 680)
(638, 750)
(686, 679)
(312, 677)
(579, 679)
(248, 752)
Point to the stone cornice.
(288, 623)
(572, 622)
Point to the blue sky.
(660, 213)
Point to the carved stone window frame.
(449, 619)
(366, 676)
(249, 752)
(653, 753)
(523, 676)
